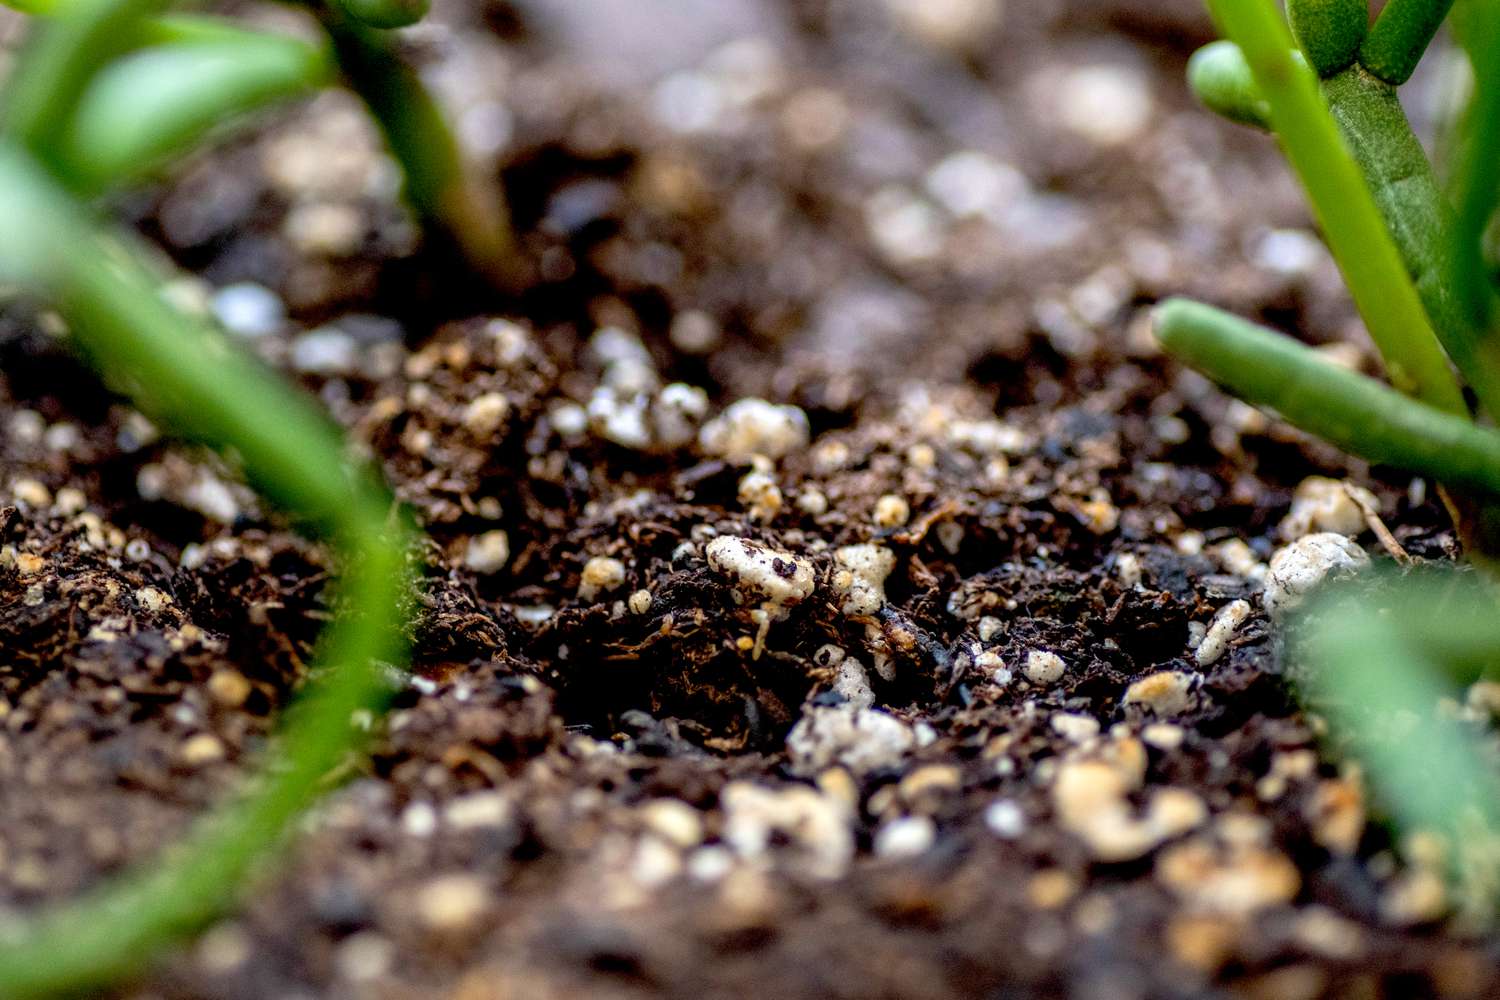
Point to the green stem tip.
(1329, 31)
(1349, 410)
(186, 376)
(1400, 37)
(1220, 77)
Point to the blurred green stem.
(137, 113)
(185, 376)
(440, 183)
(112, 143)
(1373, 671)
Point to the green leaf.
(1349, 410)
(1220, 77)
(58, 66)
(1329, 31)
(445, 189)
(386, 13)
(1400, 36)
(158, 102)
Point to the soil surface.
(831, 590)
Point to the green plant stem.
(1220, 77)
(1349, 410)
(1400, 36)
(1476, 180)
(1348, 215)
(439, 183)
(1329, 31)
(446, 190)
(184, 375)
(386, 13)
(56, 69)
(1419, 219)
(155, 103)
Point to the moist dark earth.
(819, 552)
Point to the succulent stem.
(1329, 31)
(1349, 410)
(1351, 223)
(1400, 36)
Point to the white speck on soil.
(325, 351)
(1108, 104)
(601, 574)
(1299, 567)
(905, 837)
(1167, 692)
(755, 427)
(860, 574)
(1216, 640)
(781, 580)
(1044, 667)
(1005, 819)
(248, 310)
(1325, 505)
(451, 903)
(1075, 728)
(860, 739)
(814, 826)
(891, 511)
(853, 682)
(488, 552)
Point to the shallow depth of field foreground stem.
(188, 378)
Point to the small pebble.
(674, 821)
(860, 573)
(1325, 505)
(812, 502)
(891, 512)
(485, 414)
(601, 574)
(1106, 103)
(204, 748)
(1216, 640)
(861, 739)
(229, 688)
(760, 496)
(477, 811)
(31, 493)
(752, 427)
(1167, 692)
(451, 903)
(325, 351)
(781, 579)
(1075, 728)
(905, 837)
(1005, 819)
(695, 332)
(956, 25)
(1299, 567)
(1044, 667)
(487, 553)
(248, 310)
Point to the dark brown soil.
(583, 793)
